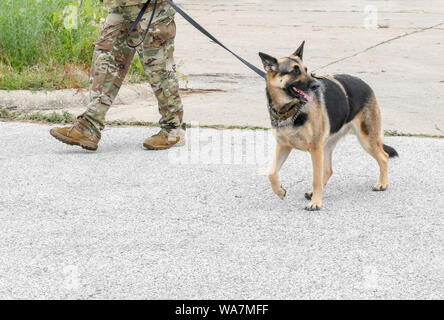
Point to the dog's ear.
(270, 63)
(300, 51)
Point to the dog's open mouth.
(307, 96)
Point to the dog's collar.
(291, 110)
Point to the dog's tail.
(391, 151)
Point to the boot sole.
(179, 144)
(72, 142)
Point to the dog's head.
(287, 78)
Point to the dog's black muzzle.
(314, 84)
(310, 86)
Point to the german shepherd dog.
(312, 113)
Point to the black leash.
(194, 24)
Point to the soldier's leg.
(111, 61)
(112, 58)
(158, 61)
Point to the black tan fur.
(311, 113)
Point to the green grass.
(45, 77)
(54, 117)
(41, 49)
(35, 32)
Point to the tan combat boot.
(78, 134)
(165, 140)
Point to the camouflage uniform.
(112, 59)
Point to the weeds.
(54, 117)
(35, 32)
(48, 44)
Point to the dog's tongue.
(308, 96)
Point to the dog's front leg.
(282, 153)
(317, 157)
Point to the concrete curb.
(27, 100)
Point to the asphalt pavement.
(124, 222)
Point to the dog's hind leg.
(368, 129)
(282, 152)
(374, 148)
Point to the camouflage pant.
(112, 59)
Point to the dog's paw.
(313, 206)
(281, 193)
(308, 195)
(380, 187)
